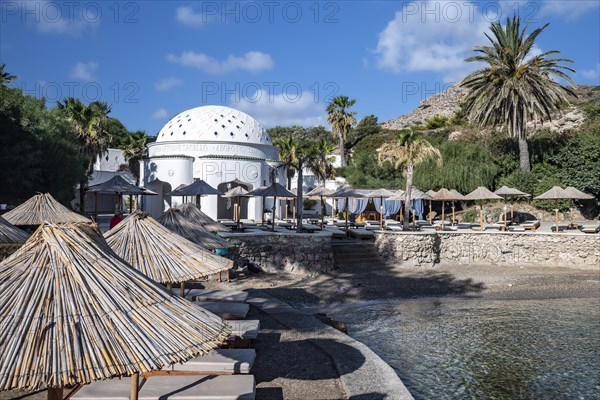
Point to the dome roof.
(214, 123)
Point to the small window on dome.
(229, 120)
(216, 133)
(187, 115)
(248, 136)
(233, 116)
(171, 133)
(216, 120)
(180, 125)
(189, 119)
(184, 132)
(237, 126)
(223, 126)
(222, 116)
(242, 122)
(232, 134)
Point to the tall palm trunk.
(299, 198)
(409, 184)
(342, 143)
(82, 199)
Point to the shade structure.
(578, 194)
(444, 195)
(237, 191)
(118, 185)
(195, 215)
(174, 220)
(381, 194)
(320, 192)
(161, 254)
(42, 208)
(275, 190)
(506, 191)
(346, 192)
(72, 312)
(431, 193)
(556, 193)
(10, 234)
(480, 194)
(197, 188)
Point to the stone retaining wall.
(306, 254)
(498, 248)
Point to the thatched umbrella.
(73, 312)
(197, 188)
(161, 254)
(320, 192)
(118, 186)
(11, 238)
(195, 215)
(482, 193)
(346, 192)
(236, 193)
(459, 196)
(39, 209)
(430, 193)
(507, 192)
(174, 220)
(556, 193)
(275, 190)
(381, 193)
(415, 194)
(444, 195)
(577, 194)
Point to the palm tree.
(89, 123)
(517, 85)
(5, 77)
(134, 149)
(410, 150)
(287, 154)
(341, 121)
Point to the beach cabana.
(118, 186)
(444, 195)
(198, 189)
(506, 193)
(480, 194)
(195, 215)
(39, 209)
(320, 192)
(346, 192)
(556, 193)
(11, 238)
(577, 194)
(430, 193)
(236, 193)
(161, 254)
(174, 220)
(275, 190)
(73, 312)
(380, 194)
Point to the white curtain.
(390, 207)
(417, 206)
(357, 206)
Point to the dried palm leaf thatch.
(72, 311)
(42, 208)
(161, 254)
(196, 216)
(10, 234)
(174, 220)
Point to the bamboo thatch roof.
(237, 191)
(42, 208)
(578, 194)
(174, 220)
(10, 234)
(380, 193)
(556, 193)
(482, 193)
(198, 188)
(160, 253)
(319, 191)
(446, 195)
(506, 191)
(72, 312)
(275, 190)
(195, 215)
(118, 185)
(347, 191)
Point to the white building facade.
(220, 145)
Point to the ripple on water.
(490, 349)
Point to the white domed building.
(220, 145)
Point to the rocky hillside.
(447, 103)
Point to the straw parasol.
(118, 186)
(42, 208)
(556, 193)
(430, 193)
(459, 196)
(346, 192)
(72, 312)
(161, 254)
(236, 193)
(482, 193)
(197, 188)
(415, 194)
(381, 193)
(174, 220)
(195, 215)
(577, 194)
(11, 238)
(320, 192)
(507, 192)
(444, 195)
(275, 190)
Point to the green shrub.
(436, 122)
(309, 204)
(471, 216)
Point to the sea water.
(484, 349)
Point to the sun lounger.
(233, 296)
(517, 228)
(283, 224)
(561, 228)
(372, 225)
(395, 228)
(361, 234)
(463, 225)
(450, 228)
(244, 329)
(216, 362)
(222, 387)
(590, 228)
(225, 310)
(248, 223)
(335, 232)
(531, 225)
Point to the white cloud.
(432, 36)
(569, 10)
(161, 113)
(252, 61)
(591, 74)
(167, 84)
(284, 109)
(187, 16)
(56, 18)
(84, 71)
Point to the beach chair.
(517, 228)
(246, 329)
(361, 234)
(233, 296)
(225, 310)
(372, 225)
(531, 225)
(589, 228)
(335, 232)
(222, 387)
(464, 225)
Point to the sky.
(281, 62)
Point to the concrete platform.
(219, 362)
(225, 310)
(232, 296)
(245, 329)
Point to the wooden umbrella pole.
(480, 215)
(169, 286)
(55, 393)
(346, 215)
(556, 211)
(323, 209)
(294, 215)
(443, 219)
(95, 207)
(133, 390)
(274, 212)
(381, 213)
(430, 216)
(182, 289)
(452, 214)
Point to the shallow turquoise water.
(485, 349)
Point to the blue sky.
(281, 62)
